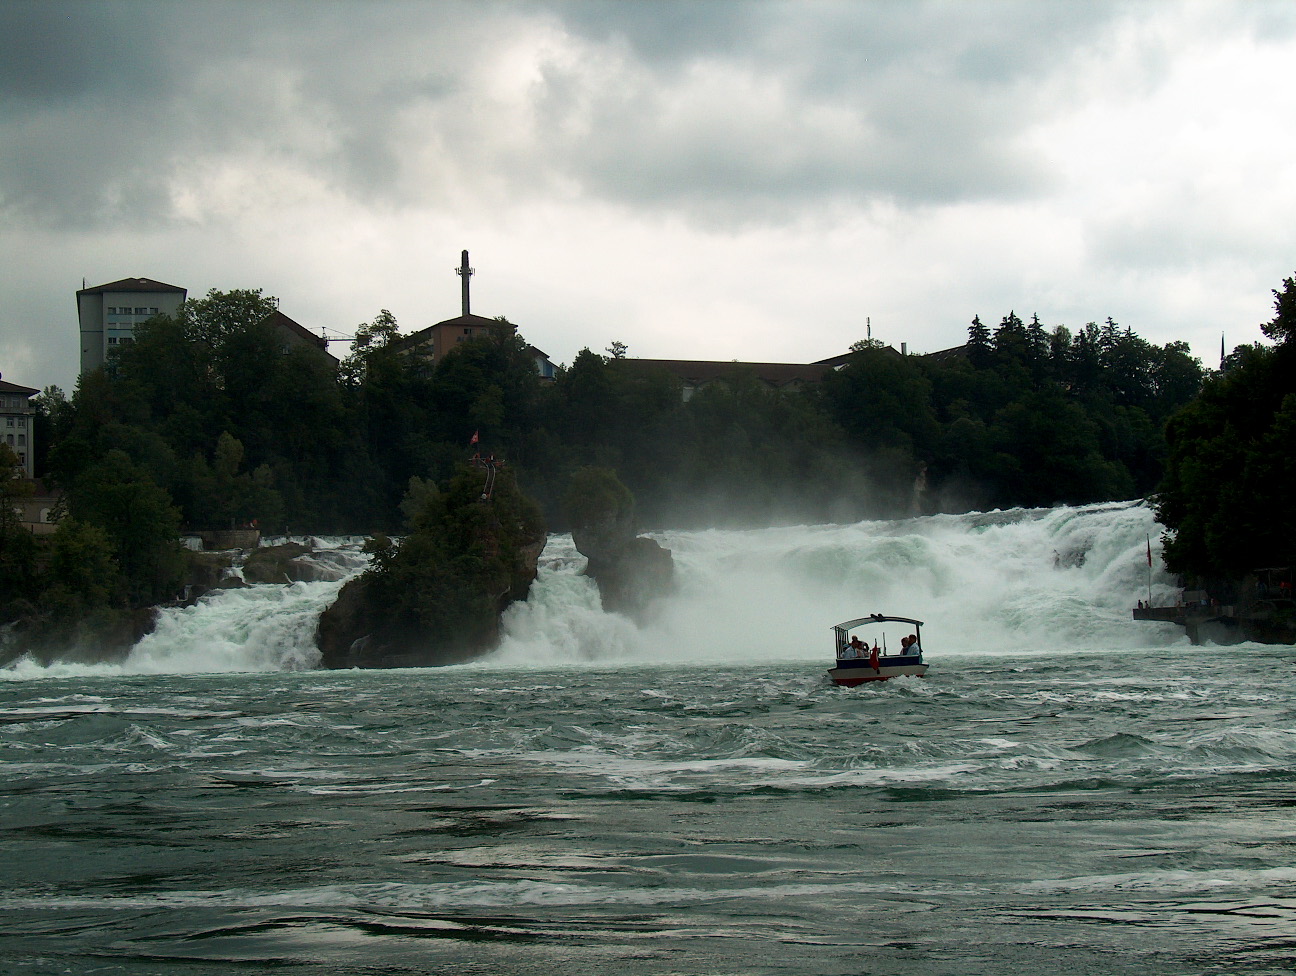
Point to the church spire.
(465, 272)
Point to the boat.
(876, 662)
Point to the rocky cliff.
(631, 571)
(435, 597)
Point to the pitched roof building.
(294, 335)
(107, 314)
(695, 374)
(434, 342)
(18, 423)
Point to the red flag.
(1149, 539)
(474, 441)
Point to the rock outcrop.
(283, 563)
(436, 597)
(632, 571)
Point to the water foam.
(1058, 580)
(1047, 580)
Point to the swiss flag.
(474, 438)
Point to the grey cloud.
(914, 103)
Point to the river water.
(1067, 791)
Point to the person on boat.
(904, 644)
(856, 647)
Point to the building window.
(141, 310)
(153, 311)
(126, 340)
(467, 331)
(112, 340)
(9, 423)
(22, 421)
(22, 440)
(112, 309)
(9, 439)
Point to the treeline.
(207, 420)
(209, 408)
(1227, 497)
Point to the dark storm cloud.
(921, 103)
(722, 110)
(103, 105)
(719, 112)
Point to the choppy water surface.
(1096, 812)
(1068, 792)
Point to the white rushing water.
(1056, 580)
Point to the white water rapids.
(1046, 580)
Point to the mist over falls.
(1054, 580)
(1060, 579)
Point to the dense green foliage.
(597, 494)
(462, 559)
(116, 551)
(206, 421)
(1227, 493)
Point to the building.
(292, 335)
(109, 313)
(35, 511)
(695, 374)
(17, 424)
(434, 342)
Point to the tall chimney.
(465, 273)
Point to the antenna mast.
(465, 272)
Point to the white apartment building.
(109, 313)
(17, 423)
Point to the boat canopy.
(875, 618)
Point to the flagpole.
(1149, 550)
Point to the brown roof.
(844, 358)
(7, 387)
(947, 355)
(278, 319)
(423, 335)
(131, 284)
(704, 371)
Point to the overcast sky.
(699, 180)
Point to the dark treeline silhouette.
(1227, 497)
(208, 419)
(207, 407)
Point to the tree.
(1225, 497)
(17, 548)
(978, 344)
(371, 341)
(139, 521)
(221, 314)
(438, 593)
(1282, 327)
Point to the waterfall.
(1057, 580)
